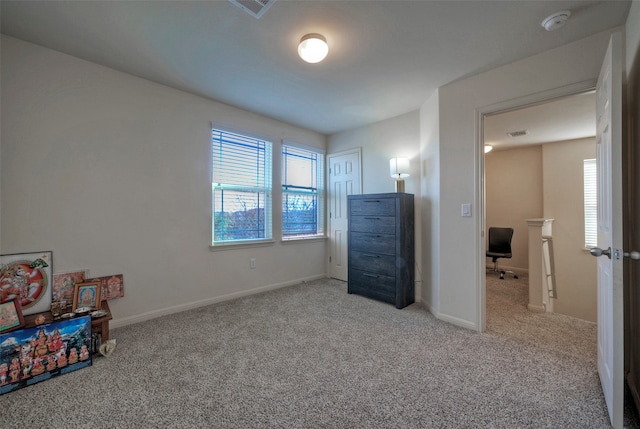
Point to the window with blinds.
(590, 203)
(302, 193)
(241, 187)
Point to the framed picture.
(112, 286)
(64, 285)
(35, 354)
(87, 294)
(27, 276)
(11, 315)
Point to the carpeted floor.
(313, 356)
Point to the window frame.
(318, 191)
(267, 189)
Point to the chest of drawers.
(381, 247)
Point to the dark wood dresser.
(381, 247)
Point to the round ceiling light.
(313, 48)
(556, 20)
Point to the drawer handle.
(371, 256)
(371, 201)
(372, 218)
(370, 275)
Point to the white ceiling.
(385, 59)
(567, 118)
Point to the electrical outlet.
(252, 263)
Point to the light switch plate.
(466, 210)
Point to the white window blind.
(241, 187)
(302, 192)
(590, 203)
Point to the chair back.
(500, 239)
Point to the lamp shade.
(399, 168)
(313, 48)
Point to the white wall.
(513, 183)
(381, 141)
(575, 268)
(461, 286)
(112, 173)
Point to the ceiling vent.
(255, 8)
(514, 134)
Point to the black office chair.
(500, 247)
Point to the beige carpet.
(313, 356)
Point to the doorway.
(536, 170)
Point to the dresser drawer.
(373, 206)
(372, 285)
(373, 263)
(374, 243)
(381, 224)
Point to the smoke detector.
(556, 20)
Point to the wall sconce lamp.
(399, 169)
(488, 148)
(313, 48)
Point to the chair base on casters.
(502, 272)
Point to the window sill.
(300, 239)
(240, 245)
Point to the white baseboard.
(449, 319)
(118, 323)
(457, 321)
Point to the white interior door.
(344, 179)
(610, 296)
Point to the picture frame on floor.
(27, 276)
(41, 352)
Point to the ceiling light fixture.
(313, 48)
(556, 20)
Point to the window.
(241, 187)
(590, 204)
(302, 193)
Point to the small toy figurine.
(3, 374)
(14, 370)
(62, 358)
(40, 348)
(26, 366)
(73, 356)
(38, 367)
(51, 362)
(84, 353)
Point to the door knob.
(634, 254)
(596, 251)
